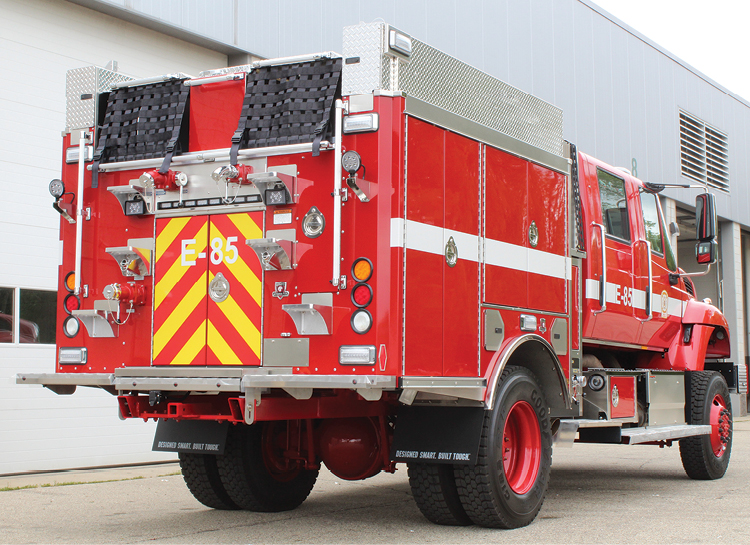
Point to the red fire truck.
(376, 257)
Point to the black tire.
(434, 489)
(706, 457)
(248, 480)
(201, 476)
(493, 495)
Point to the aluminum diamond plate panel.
(82, 85)
(366, 42)
(444, 81)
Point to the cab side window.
(614, 205)
(651, 222)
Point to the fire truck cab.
(372, 258)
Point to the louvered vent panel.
(704, 152)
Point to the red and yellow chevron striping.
(189, 327)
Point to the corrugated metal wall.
(619, 91)
(40, 41)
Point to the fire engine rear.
(377, 257)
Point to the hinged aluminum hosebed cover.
(441, 80)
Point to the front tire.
(706, 457)
(506, 488)
(255, 474)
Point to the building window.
(6, 315)
(704, 152)
(36, 312)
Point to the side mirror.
(705, 252)
(705, 217)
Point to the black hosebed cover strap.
(288, 104)
(143, 122)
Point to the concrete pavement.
(597, 494)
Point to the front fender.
(698, 312)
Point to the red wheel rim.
(275, 448)
(721, 426)
(522, 447)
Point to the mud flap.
(448, 435)
(197, 436)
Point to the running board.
(612, 432)
(633, 436)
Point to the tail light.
(361, 295)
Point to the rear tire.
(506, 488)
(201, 476)
(255, 476)
(706, 457)
(434, 489)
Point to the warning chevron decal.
(234, 322)
(200, 319)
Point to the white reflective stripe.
(431, 239)
(397, 233)
(675, 307)
(592, 289)
(424, 237)
(502, 254)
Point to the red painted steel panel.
(461, 283)
(425, 182)
(548, 209)
(506, 203)
(622, 391)
(214, 113)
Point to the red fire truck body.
(364, 277)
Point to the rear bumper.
(207, 380)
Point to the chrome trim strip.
(456, 123)
(529, 310)
(210, 156)
(66, 379)
(351, 382)
(600, 342)
(182, 384)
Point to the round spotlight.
(71, 326)
(56, 188)
(362, 295)
(351, 161)
(313, 223)
(361, 321)
(71, 303)
(596, 382)
(70, 281)
(362, 269)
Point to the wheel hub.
(721, 426)
(521, 447)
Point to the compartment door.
(234, 290)
(180, 282)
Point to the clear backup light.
(361, 123)
(356, 355)
(399, 43)
(72, 356)
(71, 154)
(361, 321)
(71, 326)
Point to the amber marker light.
(70, 281)
(362, 269)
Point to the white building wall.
(39, 42)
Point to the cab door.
(662, 320)
(610, 290)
